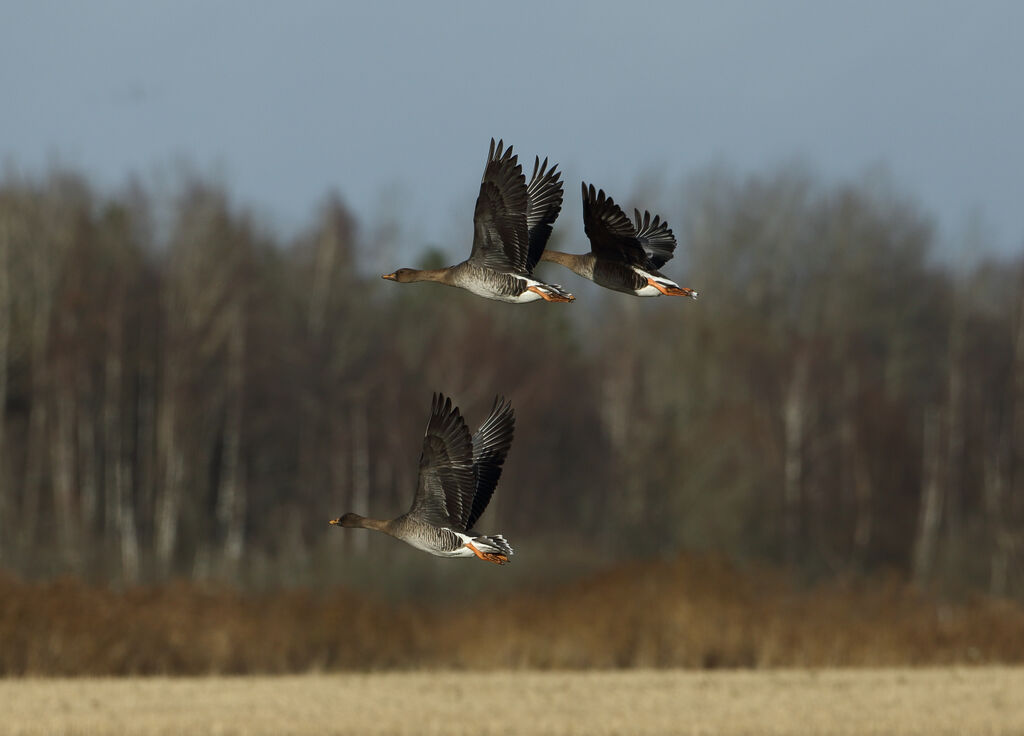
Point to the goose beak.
(389, 276)
(335, 522)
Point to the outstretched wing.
(500, 235)
(447, 482)
(490, 446)
(611, 234)
(543, 203)
(655, 237)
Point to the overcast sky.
(393, 102)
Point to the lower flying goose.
(457, 477)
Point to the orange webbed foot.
(487, 556)
(550, 296)
(673, 290)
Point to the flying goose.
(511, 225)
(624, 256)
(457, 478)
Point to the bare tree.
(931, 506)
(6, 225)
(231, 500)
(794, 417)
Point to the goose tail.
(551, 292)
(558, 291)
(493, 548)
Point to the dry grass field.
(973, 701)
(687, 613)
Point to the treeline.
(189, 395)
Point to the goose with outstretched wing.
(458, 475)
(624, 255)
(511, 225)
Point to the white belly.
(526, 296)
(462, 551)
(648, 290)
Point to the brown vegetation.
(693, 612)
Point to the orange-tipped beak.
(389, 276)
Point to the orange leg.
(549, 297)
(673, 290)
(487, 556)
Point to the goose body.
(458, 475)
(511, 225)
(624, 256)
(502, 286)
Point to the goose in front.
(511, 225)
(624, 256)
(457, 477)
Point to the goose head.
(403, 275)
(349, 520)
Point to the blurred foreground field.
(691, 612)
(901, 701)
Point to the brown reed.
(692, 612)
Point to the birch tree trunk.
(5, 342)
(360, 468)
(128, 529)
(930, 509)
(112, 440)
(618, 415)
(62, 457)
(319, 428)
(1013, 504)
(1010, 509)
(119, 510)
(341, 471)
(144, 461)
(33, 487)
(952, 476)
(794, 412)
(998, 533)
(855, 474)
(169, 454)
(231, 501)
(41, 287)
(88, 475)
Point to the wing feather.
(543, 203)
(491, 443)
(612, 236)
(655, 237)
(500, 234)
(447, 482)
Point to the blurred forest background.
(197, 398)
